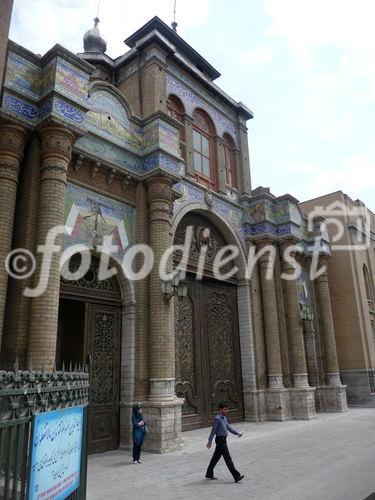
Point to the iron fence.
(24, 394)
(371, 374)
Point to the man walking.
(220, 428)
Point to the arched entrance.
(208, 358)
(90, 323)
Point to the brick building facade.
(352, 287)
(144, 149)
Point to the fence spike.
(63, 366)
(70, 367)
(30, 365)
(16, 365)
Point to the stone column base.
(162, 389)
(277, 404)
(254, 405)
(163, 420)
(333, 398)
(303, 403)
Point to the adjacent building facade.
(143, 150)
(351, 272)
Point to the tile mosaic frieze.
(101, 149)
(71, 82)
(89, 217)
(190, 82)
(191, 194)
(160, 135)
(19, 108)
(23, 76)
(108, 119)
(162, 162)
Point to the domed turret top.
(93, 41)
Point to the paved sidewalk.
(330, 458)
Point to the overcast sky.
(305, 67)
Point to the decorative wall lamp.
(174, 287)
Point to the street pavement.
(329, 458)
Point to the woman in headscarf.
(139, 431)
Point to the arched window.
(203, 140)
(367, 284)
(230, 161)
(177, 110)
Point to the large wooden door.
(208, 367)
(103, 339)
(90, 323)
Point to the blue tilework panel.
(192, 101)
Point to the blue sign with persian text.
(56, 454)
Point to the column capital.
(159, 189)
(264, 242)
(285, 244)
(57, 143)
(12, 141)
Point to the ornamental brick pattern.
(12, 142)
(56, 149)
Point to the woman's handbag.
(146, 432)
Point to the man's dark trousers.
(221, 450)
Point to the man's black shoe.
(211, 478)
(239, 478)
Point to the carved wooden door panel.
(189, 360)
(219, 323)
(104, 327)
(208, 368)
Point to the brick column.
(163, 410)
(334, 393)
(56, 150)
(302, 395)
(328, 331)
(142, 309)
(295, 325)
(257, 321)
(162, 368)
(312, 360)
(12, 142)
(284, 344)
(271, 324)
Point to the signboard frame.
(66, 484)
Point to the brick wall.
(5, 15)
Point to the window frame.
(178, 113)
(202, 178)
(230, 162)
